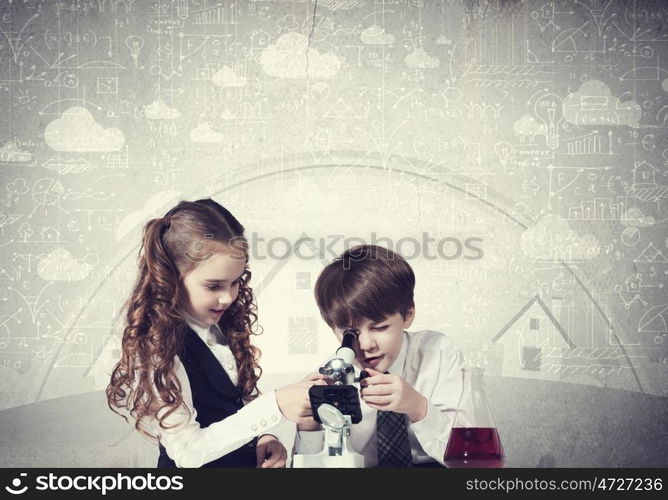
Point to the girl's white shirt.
(190, 445)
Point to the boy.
(414, 374)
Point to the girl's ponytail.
(151, 336)
(161, 273)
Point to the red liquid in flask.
(474, 447)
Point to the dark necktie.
(394, 450)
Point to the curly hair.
(143, 382)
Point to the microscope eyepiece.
(349, 336)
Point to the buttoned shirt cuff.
(189, 445)
(264, 415)
(285, 432)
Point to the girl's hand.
(309, 426)
(270, 453)
(312, 425)
(392, 393)
(294, 402)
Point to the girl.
(188, 372)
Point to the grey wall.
(514, 152)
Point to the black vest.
(215, 397)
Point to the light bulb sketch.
(182, 9)
(135, 44)
(549, 110)
(505, 151)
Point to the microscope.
(337, 407)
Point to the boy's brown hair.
(366, 281)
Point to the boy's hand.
(270, 453)
(392, 393)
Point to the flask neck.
(473, 409)
(474, 379)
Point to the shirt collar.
(397, 367)
(203, 331)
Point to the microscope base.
(348, 460)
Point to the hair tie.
(166, 223)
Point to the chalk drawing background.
(514, 151)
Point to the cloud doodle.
(158, 110)
(226, 77)
(552, 239)
(291, 57)
(76, 130)
(375, 35)
(421, 60)
(203, 133)
(594, 104)
(59, 265)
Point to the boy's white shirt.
(429, 362)
(190, 445)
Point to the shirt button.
(229, 366)
(211, 342)
(253, 427)
(263, 423)
(274, 418)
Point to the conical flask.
(474, 440)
